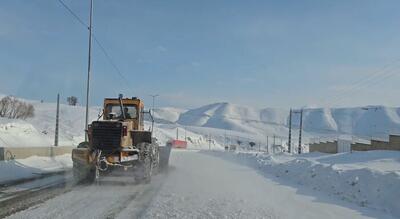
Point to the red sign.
(178, 144)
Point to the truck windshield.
(114, 112)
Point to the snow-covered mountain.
(376, 121)
(167, 114)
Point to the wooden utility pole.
(154, 97)
(290, 132)
(301, 127)
(273, 146)
(209, 142)
(57, 118)
(88, 72)
(185, 132)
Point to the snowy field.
(367, 179)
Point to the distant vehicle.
(177, 144)
(232, 147)
(119, 141)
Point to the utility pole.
(267, 145)
(88, 72)
(209, 141)
(274, 140)
(185, 132)
(154, 97)
(152, 112)
(177, 133)
(301, 127)
(375, 109)
(57, 118)
(225, 139)
(290, 132)
(273, 146)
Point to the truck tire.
(91, 175)
(144, 171)
(156, 160)
(75, 173)
(148, 169)
(82, 173)
(78, 172)
(144, 168)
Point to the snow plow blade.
(165, 152)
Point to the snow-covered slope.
(14, 133)
(39, 130)
(167, 114)
(376, 121)
(72, 121)
(235, 117)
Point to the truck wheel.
(91, 175)
(156, 161)
(148, 170)
(82, 173)
(77, 173)
(144, 170)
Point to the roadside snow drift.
(33, 167)
(369, 179)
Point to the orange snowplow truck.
(119, 141)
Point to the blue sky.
(258, 53)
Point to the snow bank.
(19, 133)
(33, 167)
(369, 179)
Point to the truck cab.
(133, 109)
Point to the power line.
(102, 48)
(368, 83)
(73, 14)
(110, 59)
(371, 79)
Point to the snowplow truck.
(119, 142)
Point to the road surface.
(197, 186)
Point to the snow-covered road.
(204, 186)
(197, 186)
